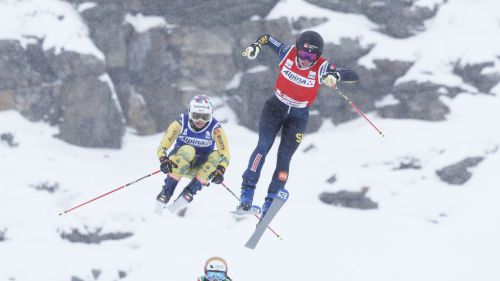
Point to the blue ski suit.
(278, 114)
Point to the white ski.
(184, 199)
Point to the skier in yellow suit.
(195, 135)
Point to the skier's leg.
(204, 170)
(272, 117)
(291, 137)
(193, 186)
(167, 190)
(181, 157)
(201, 170)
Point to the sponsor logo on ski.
(296, 78)
(282, 194)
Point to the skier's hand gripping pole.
(109, 192)
(257, 216)
(359, 111)
(252, 51)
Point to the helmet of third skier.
(309, 46)
(216, 269)
(200, 110)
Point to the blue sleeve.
(276, 45)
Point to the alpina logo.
(196, 142)
(297, 79)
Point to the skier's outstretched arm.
(171, 134)
(272, 42)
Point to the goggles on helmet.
(304, 55)
(216, 275)
(195, 116)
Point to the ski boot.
(186, 196)
(191, 189)
(246, 198)
(267, 203)
(162, 199)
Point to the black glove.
(217, 176)
(166, 165)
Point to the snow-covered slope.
(424, 229)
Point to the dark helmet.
(311, 42)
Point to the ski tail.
(254, 210)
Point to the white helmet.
(215, 264)
(200, 107)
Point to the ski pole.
(109, 192)
(257, 216)
(359, 111)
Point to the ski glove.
(166, 165)
(252, 51)
(217, 176)
(331, 78)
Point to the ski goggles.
(216, 275)
(305, 55)
(200, 116)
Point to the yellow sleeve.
(173, 131)
(222, 146)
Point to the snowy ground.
(399, 241)
(424, 229)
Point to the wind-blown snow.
(424, 229)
